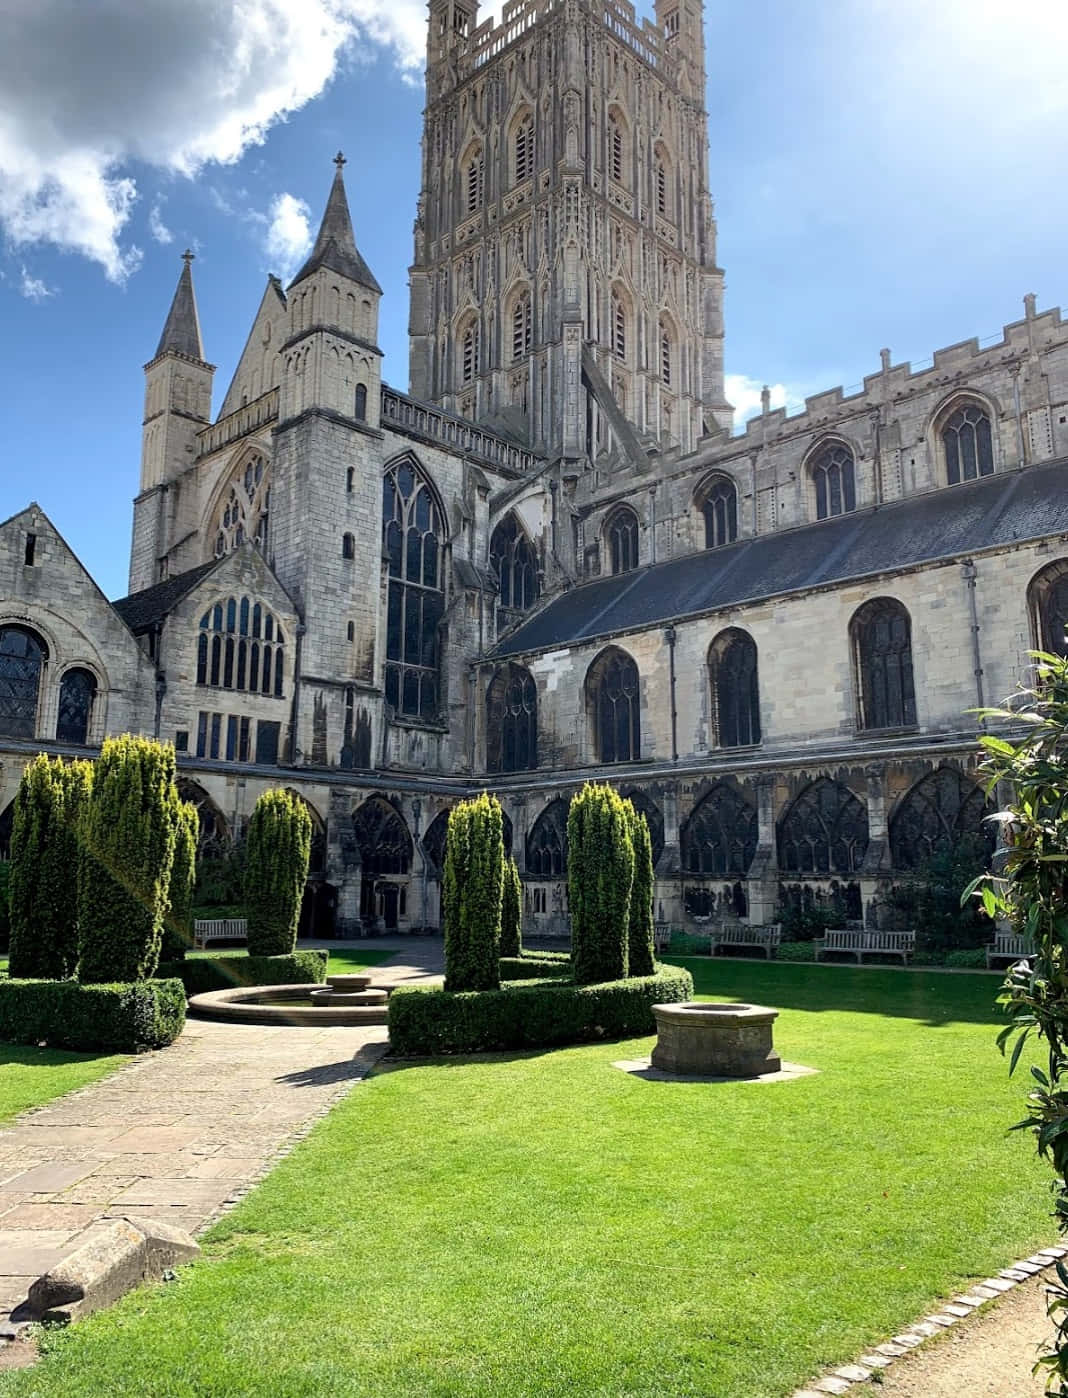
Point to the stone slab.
(50, 1178)
(642, 1068)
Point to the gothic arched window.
(825, 831)
(666, 353)
(621, 539)
(523, 149)
(935, 814)
(245, 510)
(1048, 596)
(720, 509)
(614, 694)
(512, 721)
(833, 480)
(22, 656)
(213, 836)
(521, 325)
(616, 142)
(513, 560)
(77, 690)
(732, 672)
(413, 535)
(720, 837)
(882, 648)
(547, 843)
(434, 838)
(474, 177)
(470, 351)
(241, 646)
(661, 187)
(619, 327)
(382, 838)
(968, 444)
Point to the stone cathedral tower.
(565, 286)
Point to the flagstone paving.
(180, 1134)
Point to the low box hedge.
(528, 968)
(203, 973)
(427, 1021)
(128, 1017)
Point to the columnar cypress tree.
(600, 871)
(511, 911)
(44, 860)
(474, 885)
(125, 870)
(641, 957)
(277, 852)
(178, 928)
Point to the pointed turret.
(335, 248)
(181, 332)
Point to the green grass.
(543, 1224)
(30, 1077)
(356, 960)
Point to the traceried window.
(882, 645)
(935, 815)
(619, 328)
(77, 691)
(241, 646)
(413, 535)
(968, 445)
(474, 178)
(469, 352)
(523, 149)
(614, 694)
(547, 843)
(832, 473)
(513, 560)
(245, 512)
(732, 673)
(22, 657)
(720, 510)
(621, 539)
(382, 838)
(521, 325)
(825, 831)
(1048, 595)
(720, 837)
(512, 721)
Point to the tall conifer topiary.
(474, 885)
(127, 853)
(277, 852)
(640, 950)
(178, 925)
(44, 861)
(600, 870)
(511, 911)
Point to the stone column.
(762, 884)
(875, 867)
(342, 864)
(667, 893)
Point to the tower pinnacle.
(335, 247)
(181, 331)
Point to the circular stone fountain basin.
(715, 1040)
(327, 995)
(289, 1004)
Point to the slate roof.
(335, 247)
(942, 524)
(181, 331)
(142, 610)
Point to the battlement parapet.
(644, 38)
(433, 424)
(239, 423)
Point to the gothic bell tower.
(564, 286)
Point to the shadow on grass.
(29, 1056)
(935, 998)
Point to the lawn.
(33, 1076)
(542, 1224)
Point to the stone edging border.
(881, 1356)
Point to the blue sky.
(886, 172)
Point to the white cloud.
(288, 236)
(156, 226)
(33, 288)
(86, 89)
(744, 393)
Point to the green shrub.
(44, 859)
(805, 924)
(967, 959)
(200, 974)
(930, 899)
(529, 968)
(687, 943)
(425, 1022)
(545, 954)
(207, 911)
(178, 925)
(127, 853)
(277, 852)
(221, 880)
(641, 956)
(130, 1018)
(795, 951)
(5, 918)
(600, 871)
(474, 886)
(511, 911)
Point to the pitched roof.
(142, 610)
(335, 247)
(942, 524)
(181, 331)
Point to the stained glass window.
(515, 564)
(615, 694)
(413, 535)
(825, 831)
(968, 446)
(720, 510)
(882, 637)
(1049, 601)
(77, 690)
(621, 536)
(22, 656)
(833, 478)
(720, 837)
(732, 668)
(512, 721)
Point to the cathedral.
(553, 559)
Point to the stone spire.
(181, 333)
(335, 247)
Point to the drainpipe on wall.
(670, 635)
(968, 573)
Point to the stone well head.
(731, 1040)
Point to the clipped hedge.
(425, 1022)
(200, 974)
(129, 1017)
(532, 968)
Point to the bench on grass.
(661, 935)
(1008, 946)
(859, 943)
(223, 929)
(740, 934)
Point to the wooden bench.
(860, 943)
(661, 935)
(224, 929)
(740, 934)
(1008, 946)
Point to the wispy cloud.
(156, 226)
(33, 288)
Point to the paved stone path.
(180, 1134)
